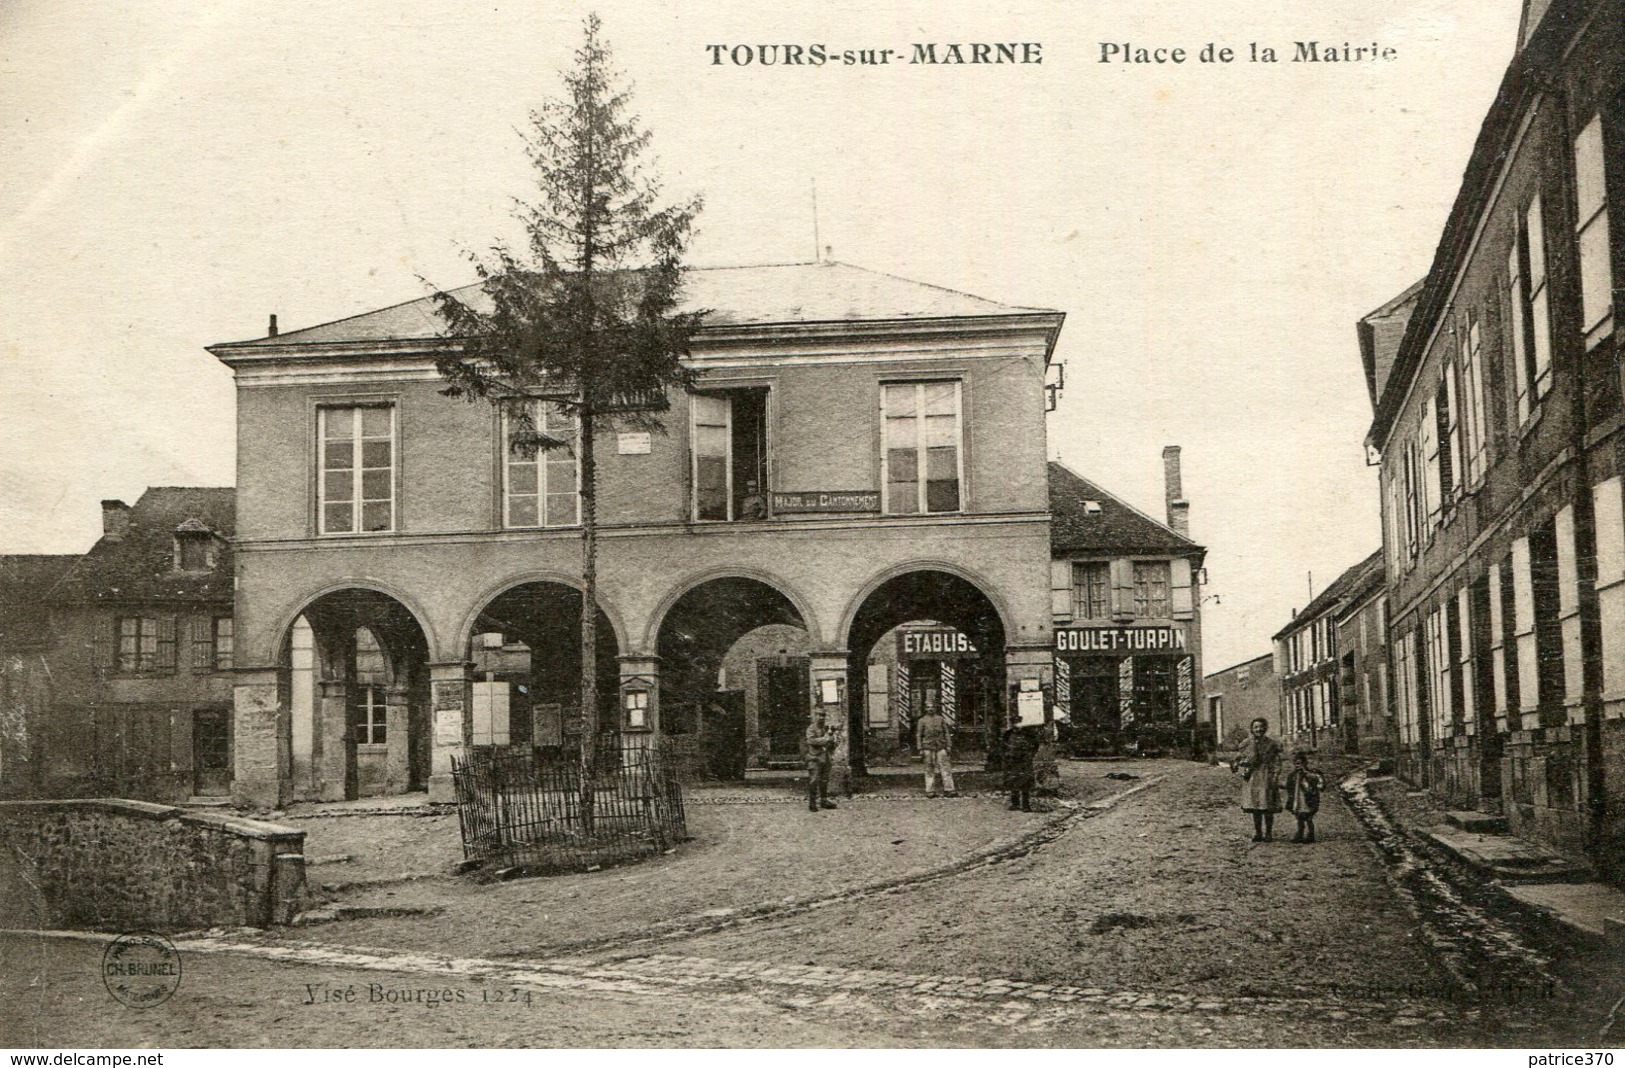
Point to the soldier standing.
(820, 748)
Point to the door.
(1097, 713)
(211, 752)
(724, 735)
(783, 696)
(924, 695)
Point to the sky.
(175, 172)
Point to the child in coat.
(1303, 787)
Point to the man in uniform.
(931, 739)
(820, 748)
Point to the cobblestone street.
(1147, 918)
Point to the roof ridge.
(933, 285)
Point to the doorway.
(211, 752)
(782, 705)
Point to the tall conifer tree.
(587, 315)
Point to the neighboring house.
(131, 646)
(1125, 597)
(861, 452)
(1361, 636)
(1238, 695)
(1499, 427)
(25, 671)
(1317, 711)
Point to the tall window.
(730, 455)
(357, 487)
(1591, 234)
(1531, 311)
(541, 487)
(372, 713)
(1091, 590)
(1448, 414)
(922, 448)
(1151, 596)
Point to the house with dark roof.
(1501, 428)
(1316, 707)
(1125, 597)
(117, 661)
(861, 452)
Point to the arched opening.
(735, 678)
(526, 650)
(924, 640)
(356, 665)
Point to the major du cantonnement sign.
(827, 501)
(1119, 640)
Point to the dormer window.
(194, 547)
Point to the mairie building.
(861, 454)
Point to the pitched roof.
(734, 296)
(1115, 526)
(1380, 333)
(140, 566)
(1343, 589)
(1549, 28)
(25, 584)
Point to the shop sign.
(1119, 640)
(936, 643)
(827, 501)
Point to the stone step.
(1503, 857)
(1594, 910)
(1477, 822)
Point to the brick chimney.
(1179, 509)
(115, 520)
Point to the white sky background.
(174, 172)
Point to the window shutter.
(104, 639)
(1060, 589)
(1122, 573)
(166, 643)
(1429, 441)
(1183, 595)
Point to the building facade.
(1125, 593)
(861, 452)
(1238, 695)
(1322, 705)
(1498, 426)
(1361, 636)
(116, 674)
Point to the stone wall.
(128, 865)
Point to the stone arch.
(465, 629)
(651, 634)
(284, 628)
(980, 582)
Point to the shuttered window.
(144, 644)
(1091, 590)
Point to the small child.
(1303, 786)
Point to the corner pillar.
(1024, 667)
(336, 742)
(453, 729)
(261, 760)
(828, 671)
(638, 702)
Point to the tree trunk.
(589, 618)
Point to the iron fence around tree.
(519, 807)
